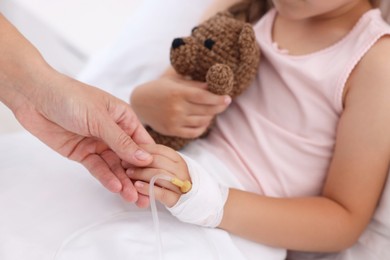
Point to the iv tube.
(184, 186)
(153, 209)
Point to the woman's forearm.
(22, 68)
(308, 224)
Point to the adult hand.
(186, 105)
(89, 126)
(80, 122)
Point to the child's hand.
(187, 107)
(166, 161)
(202, 205)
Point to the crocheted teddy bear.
(221, 51)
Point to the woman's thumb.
(123, 145)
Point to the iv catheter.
(184, 186)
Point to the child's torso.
(278, 136)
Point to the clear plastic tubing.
(153, 209)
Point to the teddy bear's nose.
(177, 43)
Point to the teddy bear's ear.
(247, 39)
(249, 56)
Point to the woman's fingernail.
(138, 184)
(114, 185)
(142, 155)
(228, 100)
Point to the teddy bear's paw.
(220, 79)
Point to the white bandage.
(203, 204)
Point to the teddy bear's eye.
(209, 43)
(194, 29)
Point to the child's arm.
(357, 174)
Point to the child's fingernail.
(130, 171)
(142, 155)
(139, 184)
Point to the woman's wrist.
(23, 71)
(26, 86)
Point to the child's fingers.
(159, 152)
(165, 196)
(205, 97)
(172, 167)
(192, 132)
(198, 84)
(162, 151)
(146, 174)
(155, 149)
(167, 159)
(194, 109)
(197, 121)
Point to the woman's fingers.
(128, 192)
(102, 172)
(143, 201)
(122, 142)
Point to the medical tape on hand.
(203, 204)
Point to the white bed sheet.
(53, 209)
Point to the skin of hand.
(165, 161)
(78, 121)
(187, 106)
(89, 126)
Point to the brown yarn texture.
(223, 52)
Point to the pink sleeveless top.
(278, 136)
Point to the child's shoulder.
(371, 77)
(381, 46)
(376, 62)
